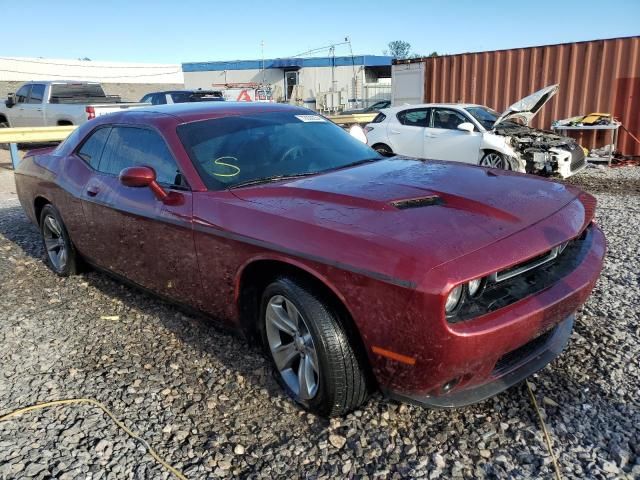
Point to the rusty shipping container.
(594, 76)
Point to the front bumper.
(460, 356)
(514, 367)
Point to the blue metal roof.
(364, 60)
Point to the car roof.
(184, 91)
(400, 108)
(62, 82)
(193, 111)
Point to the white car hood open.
(528, 107)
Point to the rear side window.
(379, 118)
(154, 99)
(71, 90)
(92, 148)
(181, 97)
(131, 147)
(159, 99)
(37, 93)
(414, 118)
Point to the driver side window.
(131, 146)
(447, 118)
(22, 94)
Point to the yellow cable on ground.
(95, 403)
(546, 432)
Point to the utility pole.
(332, 53)
(353, 71)
(262, 47)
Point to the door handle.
(93, 191)
(395, 132)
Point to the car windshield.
(484, 115)
(244, 149)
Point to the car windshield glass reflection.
(241, 150)
(484, 115)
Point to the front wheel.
(61, 255)
(494, 160)
(316, 363)
(4, 146)
(383, 150)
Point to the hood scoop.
(417, 202)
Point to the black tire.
(493, 159)
(341, 381)
(4, 146)
(51, 237)
(383, 150)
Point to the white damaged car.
(479, 135)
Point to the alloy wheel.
(493, 160)
(54, 242)
(292, 347)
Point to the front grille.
(529, 264)
(510, 360)
(499, 294)
(578, 159)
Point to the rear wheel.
(310, 349)
(383, 150)
(494, 160)
(61, 255)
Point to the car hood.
(436, 211)
(527, 108)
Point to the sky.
(189, 30)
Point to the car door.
(143, 239)
(406, 135)
(443, 140)
(32, 112)
(78, 171)
(16, 113)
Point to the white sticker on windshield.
(311, 118)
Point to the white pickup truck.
(40, 104)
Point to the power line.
(316, 50)
(92, 76)
(24, 60)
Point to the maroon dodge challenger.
(438, 283)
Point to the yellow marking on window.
(217, 161)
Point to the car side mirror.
(144, 176)
(10, 101)
(138, 177)
(466, 127)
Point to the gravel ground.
(209, 404)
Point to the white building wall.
(312, 79)
(211, 79)
(318, 79)
(20, 69)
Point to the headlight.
(453, 299)
(474, 287)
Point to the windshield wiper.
(355, 164)
(276, 178)
(273, 178)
